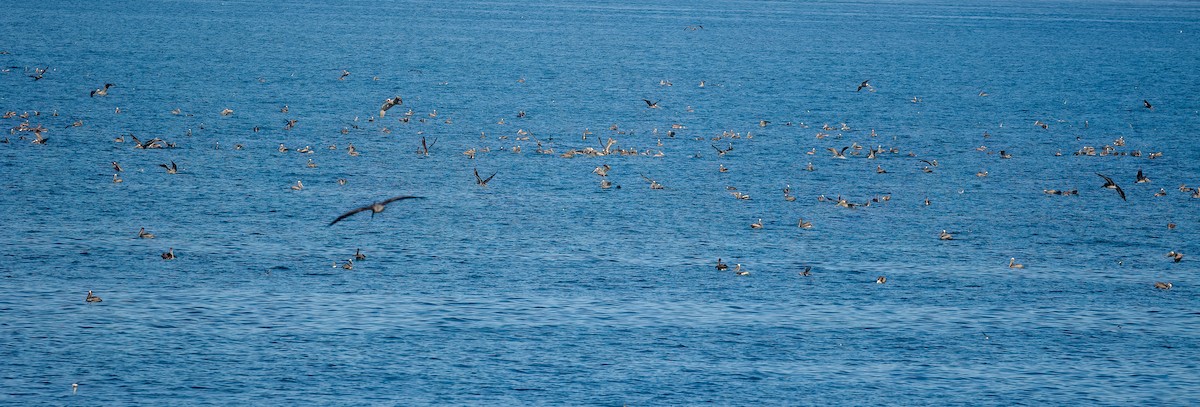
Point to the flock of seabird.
(602, 171)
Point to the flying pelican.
(91, 298)
(102, 91)
(1178, 257)
(375, 208)
(807, 271)
(1108, 183)
(838, 154)
(1147, 104)
(388, 103)
(1141, 178)
(116, 167)
(865, 84)
(652, 105)
(480, 180)
(172, 169)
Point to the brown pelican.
(757, 225)
(388, 103)
(807, 271)
(602, 170)
(102, 91)
(945, 235)
(721, 266)
(838, 154)
(482, 181)
(1141, 178)
(172, 169)
(865, 84)
(298, 186)
(116, 167)
(1163, 286)
(226, 112)
(92, 298)
(375, 208)
(804, 225)
(170, 254)
(1012, 263)
(358, 255)
(1147, 104)
(1108, 183)
(142, 233)
(1178, 257)
(880, 280)
(652, 105)
(345, 73)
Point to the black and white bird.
(102, 91)
(388, 103)
(1108, 183)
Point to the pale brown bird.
(92, 298)
(388, 103)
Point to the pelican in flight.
(865, 84)
(1108, 183)
(92, 298)
(1141, 179)
(102, 91)
(172, 169)
(838, 154)
(483, 181)
(375, 208)
(1147, 104)
(652, 105)
(388, 103)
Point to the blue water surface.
(544, 288)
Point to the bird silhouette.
(375, 207)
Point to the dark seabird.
(1147, 104)
(375, 208)
(483, 181)
(388, 103)
(864, 84)
(1108, 183)
(652, 105)
(92, 298)
(1163, 286)
(1141, 178)
(102, 91)
(172, 169)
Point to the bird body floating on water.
(375, 208)
(92, 298)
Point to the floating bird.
(117, 180)
(652, 105)
(1178, 257)
(721, 266)
(653, 184)
(90, 298)
(757, 225)
(375, 208)
(1147, 104)
(388, 103)
(1108, 183)
(865, 84)
(1012, 263)
(807, 271)
(74, 387)
(737, 269)
(480, 180)
(1163, 286)
(142, 233)
(298, 186)
(880, 280)
(1141, 178)
(226, 112)
(804, 225)
(170, 254)
(172, 169)
(116, 167)
(102, 91)
(349, 265)
(358, 255)
(945, 235)
(345, 73)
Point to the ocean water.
(543, 288)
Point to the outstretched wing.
(1107, 181)
(478, 180)
(843, 153)
(489, 178)
(394, 199)
(649, 103)
(347, 214)
(835, 152)
(1120, 192)
(927, 162)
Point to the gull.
(375, 208)
(482, 181)
(172, 169)
(90, 298)
(652, 105)
(388, 103)
(102, 91)
(142, 233)
(1108, 183)
(865, 84)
